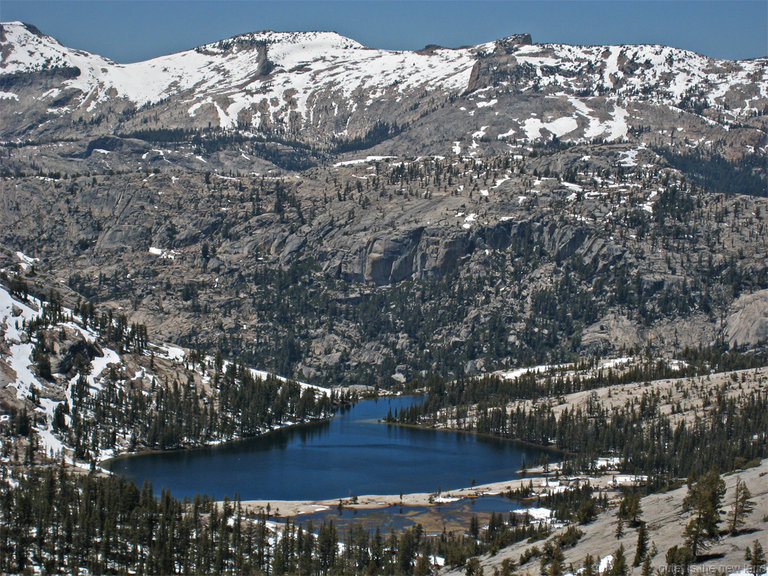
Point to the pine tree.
(556, 566)
(423, 566)
(630, 508)
(679, 558)
(756, 558)
(704, 499)
(647, 569)
(326, 546)
(642, 545)
(619, 567)
(407, 546)
(474, 527)
(507, 567)
(589, 566)
(742, 506)
(474, 568)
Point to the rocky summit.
(339, 213)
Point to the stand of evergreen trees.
(712, 171)
(173, 415)
(54, 521)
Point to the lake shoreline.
(191, 447)
(292, 508)
(526, 443)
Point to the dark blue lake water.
(353, 454)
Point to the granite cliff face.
(341, 213)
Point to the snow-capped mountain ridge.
(216, 67)
(320, 87)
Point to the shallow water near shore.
(353, 454)
(454, 515)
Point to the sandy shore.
(292, 508)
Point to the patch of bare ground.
(682, 399)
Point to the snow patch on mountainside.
(558, 127)
(13, 316)
(17, 358)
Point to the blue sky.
(127, 31)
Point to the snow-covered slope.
(656, 73)
(300, 64)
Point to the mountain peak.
(266, 38)
(24, 48)
(16, 31)
(517, 39)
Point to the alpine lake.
(354, 453)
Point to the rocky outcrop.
(420, 253)
(509, 44)
(423, 253)
(611, 333)
(747, 325)
(110, 144)
(563, 241)
(390, 260)
(74, 351)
